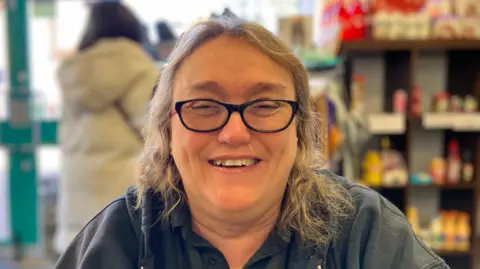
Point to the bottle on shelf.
(437, 171)
(467, 167)
(416, 101)
(450, 231)
(394, 171)
(436, 233)
(470, 104)
(454, 163)
(441, 102)
(456, 104)
(412, 216)
(400, 101)
(463, 232)
(372, 169)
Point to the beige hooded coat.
(99, 148)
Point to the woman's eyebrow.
(255, 89)
(267, 87)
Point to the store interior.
(397, 83)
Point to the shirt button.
(212, 260)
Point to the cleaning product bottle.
(454, 162)
(463, 232)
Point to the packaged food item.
(456, 104)
(353, 14)
(400, 101)
(470, 28)
(463, 232)
(416, 101)
(467, 166)
(396, 26)
(470, 104)
(438, 170)
(448, 27)
(449, 231)
(381, 25)
(436, 233)
(372, 169)
(423, 26)
(454, 163)
(441, 102)
(439, 8)
(461, 7)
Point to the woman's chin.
(234, 201)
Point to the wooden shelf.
(392, 45)
(460, 186)
(401, 66)
(443, 253)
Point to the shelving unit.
(402, 68)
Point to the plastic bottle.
(373, 169)
(467, 168)
(454, 163)
(437, 171)
(450, 232)
(436, 234)
(463, 233)
(412, 216)
(416, 101)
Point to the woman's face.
(232, 71)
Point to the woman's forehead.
(228, 62)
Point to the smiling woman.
(233, 175)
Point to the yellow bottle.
(412, 216)
(463, 232)
(372, 167)
(450, 231)
(436, 234)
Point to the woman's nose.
(235, 132)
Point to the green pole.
(21, 143)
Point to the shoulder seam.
(434, 263)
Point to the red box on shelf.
(353, 17)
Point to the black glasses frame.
(240, 108)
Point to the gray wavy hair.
(313, 204)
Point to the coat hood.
(112, 63)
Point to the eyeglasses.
(263, 115)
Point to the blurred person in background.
(106, 87)
(231, 177)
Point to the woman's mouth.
(234, 163)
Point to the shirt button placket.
(212, 261)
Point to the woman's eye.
(201, 106)
(267, 106)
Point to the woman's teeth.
(234, 163)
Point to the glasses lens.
(203, 115)
(268, 116)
